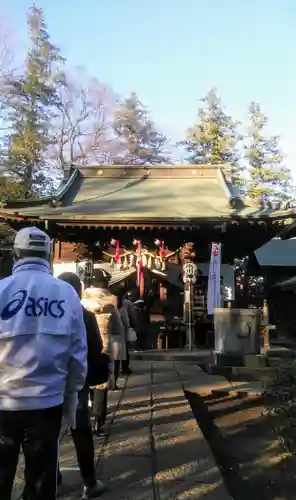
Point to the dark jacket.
(98, 371)
(129, 306)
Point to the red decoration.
(139, 262)
(117, 253)
(139, 257)
(216, 251)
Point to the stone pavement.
(153, 448)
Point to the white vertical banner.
(214, 278)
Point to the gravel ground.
(252, 459)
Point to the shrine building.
(136, 221)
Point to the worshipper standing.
(128, 317)
(97, 374)
(43, 364)
(125, 323)
(99, 300)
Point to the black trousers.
(125, 363)
(117, 363)
(37, 433)
(83, 440)
(100, 402)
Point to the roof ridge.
(44, 200)
(148, 166)
(232, 192)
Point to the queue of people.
(55, 349)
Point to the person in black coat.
(97, 373)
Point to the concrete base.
(240, 360)
(192, 356)
(222, 359)
(238, 372)
(188, 348)
(255, 360)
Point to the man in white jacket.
(43, 356)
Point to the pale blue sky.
(171, 52)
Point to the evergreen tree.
(138, 141)
(215, 138)
(270, 179)
(33, 103)
(10, 190)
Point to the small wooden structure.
(276, 263)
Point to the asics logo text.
(33, 307)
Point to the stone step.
(185, 466)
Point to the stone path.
(153, 448)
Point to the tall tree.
(33, 101)
(269, 176)
(139, 141)
(214, 139)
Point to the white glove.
(69, 410)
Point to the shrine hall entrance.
(163, 298)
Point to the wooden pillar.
(188, 256)
(53, 242)
(60, 250)
(265, 345)
(142, 286)
(159, 342)
(162, 292)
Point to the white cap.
(32, 238)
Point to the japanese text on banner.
(214, 278)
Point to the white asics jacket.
(43, 349)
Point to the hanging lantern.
(88, 269)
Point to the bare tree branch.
(8, 69)
(6, 63)
(82, 131)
